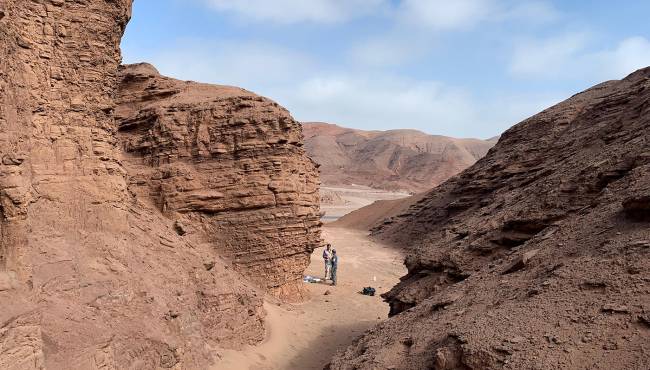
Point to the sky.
(462, 68)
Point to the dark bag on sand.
(368, 291)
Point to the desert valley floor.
(338, 201)
(306, 336)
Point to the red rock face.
(56, 137)
(537, 257)
(92, 275)
(228, 163)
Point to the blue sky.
(464, 68)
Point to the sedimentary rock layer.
(91, 276)
(538, 256)
(228, 163)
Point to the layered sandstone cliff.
(538, 256)
(228, 163)
(92, 275)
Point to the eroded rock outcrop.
(230, 164)
(537, 257)
(92, 276)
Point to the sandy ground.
(306, 336)
(343, 200)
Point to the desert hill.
(537, 256)
(140, 216)
(396, 160)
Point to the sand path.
(305, 336)
(352, 198)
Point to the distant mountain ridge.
(392, 160)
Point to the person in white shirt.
(327, 257)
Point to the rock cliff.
(92, 273)
(536, 257)
(228, 163)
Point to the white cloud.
(434, 14)
(572, 56)
(418, 26)
(547, 58)
(381, 103)
(233, 62)
(392, 49)
(444, 15)
(532, 12)
(295, 11)
(630, 54)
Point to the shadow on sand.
(315, 356)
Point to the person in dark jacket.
(335, 264)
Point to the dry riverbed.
(306, 336)
(339, 201)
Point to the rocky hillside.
(536, 257)
(395, 160)
(116, 250)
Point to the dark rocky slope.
(536, 257)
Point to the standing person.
(327, 257)
(335, 264)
